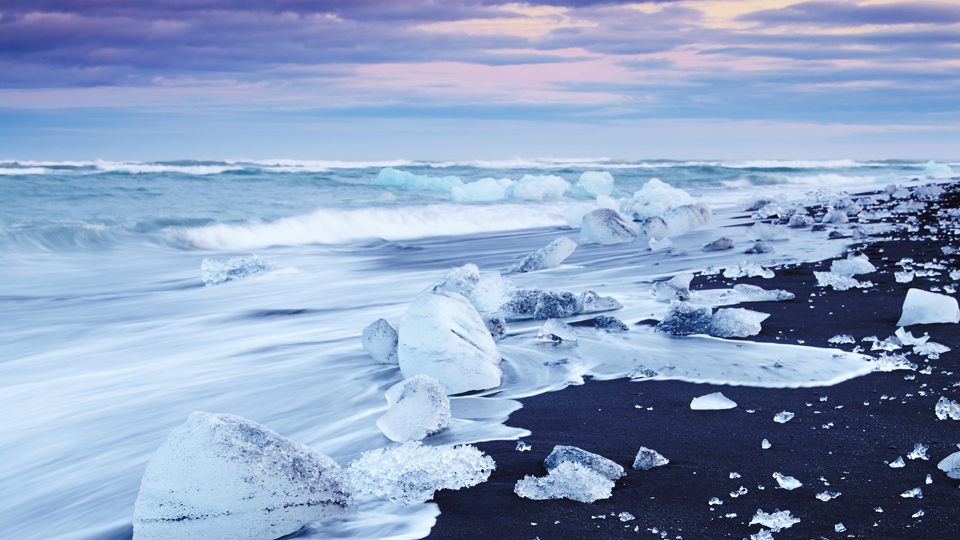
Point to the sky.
(479, 79)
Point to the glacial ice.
(647, 459)
(712, 402)
(687, 217)
(788, 483)
(496, 325)
(756, 202)
(443, 336)
(610, 324)
(923, 307)
(591, 302)
(719, 245)
(485, 189)
(392, 177)
(759, 294)
(783, 417)
(655, 198)
(842, 339)
(839, 282)
(660, 245)
(776, 522)
(520, 304)
(605, 226)
(420, 408)
(826, 496)
(556, 330)
(767, 232)
(898, 463)
(684, 319)
(835, 215)
(539, 188)
(412, 473)
(765, 444)
(675, 288)
(222, 477)
(951, 465)
(919, 452)
(946, 408)
(760, 247)
(893, 362)
(915, 493)
(747, 269)
(852, 265)
(549, 256)
(215, 273)
(935, 169)
(799, 221)
(907, 339)
(904, 276)
(928, 192)
(593, 183)
(555, 305)
(567, 481)
(379, 339)
(607, 468)
(736, 322)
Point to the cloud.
(829, 13)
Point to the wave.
(333, 226)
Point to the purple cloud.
(829, 13)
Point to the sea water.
(110, 336)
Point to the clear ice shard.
(591, 302)
(923, 307)
(606, 226)
(852, 265)
(839, 282)
(919, 452)
(418, 408)
(747, 269)
(607, 468)
(222, 477)
(827, 495)
(660, 245)
(412, 473)
(787, 482)
(549, 256)
(776, 522)
(907, 338)
(946, 408)
(593, 183)
(379, 339)
(556, 330)
(915, 493)
(685, 319)
(443, 336)
(898, 463)
(842, 339)
(951, 465)
(215, 272)
(647, 459)
(759, 294)
(675, 288)
(712, 402)
(783, 417)
(567, 480)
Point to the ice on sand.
(839, 282)
(660, 245)
(219, 476)
(392, 177)
(906, 338)
(610, 324)
(215, 273)
(539, 188)
(591, 302)
(946, 408)
(647, 459)
(712, 402)
(546, 257)
(684, 319)
(675, 288)
(595, 462)
(747, 269)
(485, 189)
(539, 304)
(655, 198)
(605, 226)
(841, 339)
(759, 294)
(852, 265)
(951, 465)
(443, 336)
(593, 183)
(418, 408)
(788, 483)
(379, 339)
(568, 480)
(783, 417)
(687, 217)
(919, 452)
(556, 330)
(412, 473)
(719, 244)
(776, 522)
(923, 307)
(767, 232)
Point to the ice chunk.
(799, 221)
(675, 288)
(496, 325)
(595, 462)
(827, 495)
(951, 465)
(660, 245)
(776, 522)
(549, 256)
(736, 322)
(647, 459)
(485, 189)
(946, 408)
(392, 177)
(759, 294)
(626, 516)
(712, 402)
(760, 247)
(520, 304)
(222, 477)
(556, 330)
(841, 339)
(574, 213)
(765, 444)
(654, 199)
(929, 192)
(719, 244)
(915, 493)
(757, 202)
(835, 215)
(489, 292)
(687, 217)
(215, 273)
(764, 534)
(788, 483)
(898, 463)
(461, 280)
(747, 269)
(443, 336)
(605, 226)
(783, 417)
(767, 232)
(937, 169)
(555, 305)
(922, 307)
(893, 362)
(839, 282)
(651, 228)
(593, 183)
(540, 188)
(852, 265)
(684, 319)
(379, 339)
(610, 324)
(919, 452)
(904, 276)
(591, 302)
(839, 528)
(412, 473)
(567, 481)
(420, 408)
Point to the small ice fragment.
(904, 276)
(215, 272)
(783, 417)
(567, 481)
(760, 247)
(878, 510)
(919, 452)
(839, 282)
(714, 501)
(610, 324)
(556, 330)
(523, 447)
(827, 495)
(839, 527)
(919, 513)
(685, 319)
(886, 363)
(739, 492)
(421, 408)
(930, 348)
(747, 269)
(799, 221)
(734, 475)
(776, 521)
(718, 245)
(626, 516)
(922, 307)
(675, 288)
(852, 265)
(591, 302)
(595, 462)
(898, 463)
(841, 339)
(549, 256)
(660, 245)
(764, 534)
(712, 402)
(787, 482)
(907, 338)
(759, 294)
(929, 479)
(379, 339)
(951, 465)
(647, 459)
(765, 444)
(554, 305)
(605, 226)
(914, 493)
(946, 408)
(889, 344)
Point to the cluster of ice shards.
(215, 272)
(411, 473)
(767, 232)
(712, 402)
(607, 468)
(541, 305)
(379, 339)
(747, 269)
(776, 522)
(788, 483)
(605, 226)
(852, 265)
(647, 459)
(840, 282)
(592, 184)
(555, 330)
(539, 188)
(675, 288)
(610, 324)
(549, 256)
(951, 465)
(759, 294)
(485, 189)
(684, 319)
(655, 198)
(567, 481)
(826, 496)
(841, 339)
(392, 177)
(219, 476)
(946, 408)
(719, 244)
(443, 336)
(893, 362)
(418, 408)
(924, 307)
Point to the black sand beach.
(842, 438)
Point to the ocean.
(125, 307)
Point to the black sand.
(844, 435)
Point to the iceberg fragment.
(687, 217)
(539, 188)
(852, 265)
(549, 256)
(593, 183)
(412, 473)
(556, 330)
(783, 417)
(776, 521)
(555, 305)
(607, 468)
(684, 319)
(935, 169)
(712, 402)
(418, 408)
(647, 459)
(767, 232)
(655, 198)
(919, 452)
(736, 322)
(788, 483)
(610, 324)
(951, 465)
(485, 189)
(605, 226)
(839, 282)
(760, 247)
(222, 477)
(675, 288)
(567, 481)
(747, 269)
(215, 272)
(392, 177)
(759, 294)
(591, 302)
(946, 408)
(923, 307)
(719, 244)
(379, 339)
(799, 221)
(660, 245)
(842, 339)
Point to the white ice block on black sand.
(923, 307)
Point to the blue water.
(110, 338)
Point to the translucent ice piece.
(759, 294)
(898, 463)
(595, 462)
(841, 339)
(922, 307)
(951, 465)
(839, 282)
(915, 493)
(485, 189)
(556, 330)
(787, 482)
(538, 188)
(946, 408)
(919, 452)
(647, 459)
(712, 402)
(393, 177)
(675, 288)
(215, 272)
(605, 226)
(379, 339)
(783, 417)
(827, 495)
(767, 232)
(776, 522)
(852, 265)
(549, 256)
(567, 481)
(421, 409)
(591, 302)
(907, 338)
(719, 245)
(747, 269)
